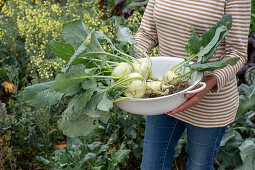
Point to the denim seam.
(168, 144)
(215, 143)
(189, 140)
(212, 153)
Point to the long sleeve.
(146, 36)
(236, 40)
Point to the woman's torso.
(174, 21)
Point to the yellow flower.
(8, 87)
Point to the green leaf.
(247, 148)
(75, 33)
(246, 100)
(229, 151)
(78, 103)
(70, 83)
(95, 45)
(248, 164)
(205, 47)
(230, 157)
(209, 49)
(213, 65)
(125, 35)
(2, 72)
(89, 84)
(247, 152)
(89, 156)
(106, 103)
(230, 134)
(104, 116)
(80, 50)
(226, 20)
(91, 108)
(209, 37)
(39, 95)
(61, 49)
(120, 155)
(178, 149)
(250, 75)
(194, 44)
(81, 125)
(94, 145)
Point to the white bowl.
(163, 104)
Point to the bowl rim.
(167, 96)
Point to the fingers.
(188, 104)
(189, 95)
(192, 94)
(194, 98)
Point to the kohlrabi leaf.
(70, 83)
(205, 46)
(80, 125)
(104, 117)
(95, 45)
(75, 33)
(61, 49)
(213, 65)
(78, 102)
(39, 95)
(91, 108)
(89, 84)
(194, 44)
(106, 103)
(217, 32)
(125, 35)
(209, 49)
(82, 48)
(226, 21)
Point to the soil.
(176, 88)
(179, 87)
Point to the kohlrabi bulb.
(143, 68)
(155, 86)
(170, 77)
(122, 69)
(136, 86)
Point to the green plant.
(79, 154)
(252, 25)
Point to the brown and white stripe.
(168, 23)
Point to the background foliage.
(29, 138)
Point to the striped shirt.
(168, 24)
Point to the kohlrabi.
(156, 87)
(122, 69)
(171, 77)
(136, 86)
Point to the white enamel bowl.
(163, 104)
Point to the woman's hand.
(196, 97)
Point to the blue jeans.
(162, 133)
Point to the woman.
(168, 23)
